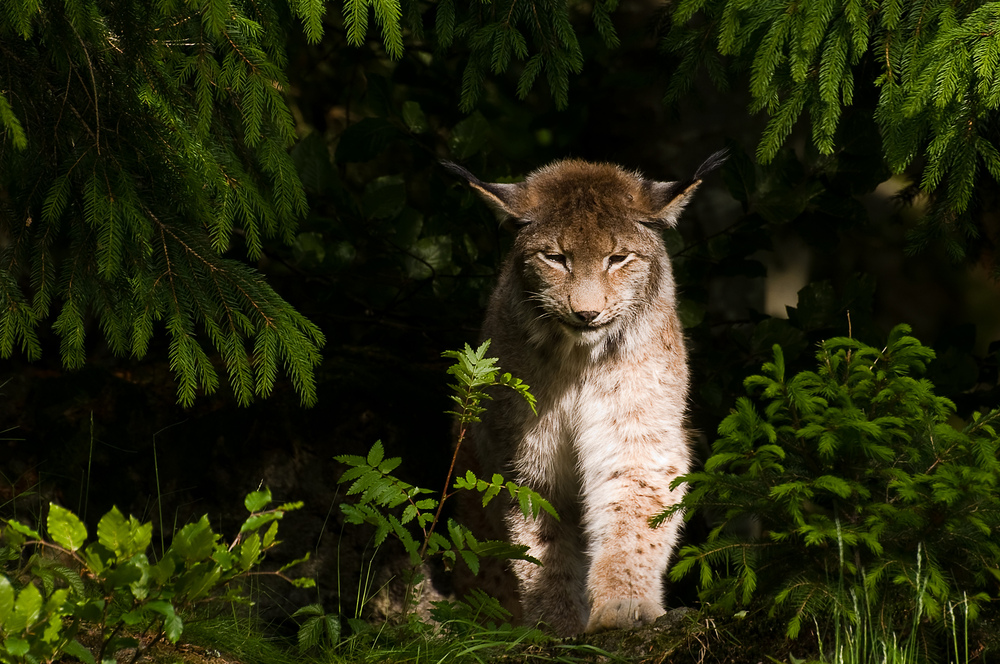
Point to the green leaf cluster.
(474, 373)
(481, 624)
(935, 65)
(848, 478)
(113, 584)
(318, 629)
(138, 143)
(530, 502)
(394, 507)
(475, 628)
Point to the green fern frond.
(388, 14)
(356, 20)
(937, 68)
(139, 215)
(473, 80)
(69, 325)
(530, 72)
(834, 64)
(215, 15)
(768, 57)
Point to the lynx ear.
(505, 199)
(668, 199)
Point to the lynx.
(585, 312)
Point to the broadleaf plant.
(851, 480)
(115, 585)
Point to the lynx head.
(588, 246)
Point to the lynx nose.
(587, 316)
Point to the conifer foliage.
(928, 71)
(495, 35)
(136, 139)
(538, 33)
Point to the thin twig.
(93, 82)
(444, 492)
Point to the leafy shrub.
(112, 585)
(381, 493)
(849, 479)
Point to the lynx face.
(588, 242)
(589, 269)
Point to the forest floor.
(681, 636)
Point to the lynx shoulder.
(585, 312)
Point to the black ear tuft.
(712, 163)
(491, 190)
(455, 169)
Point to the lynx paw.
(623, 613)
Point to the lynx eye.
(554, 258)
(617, 259)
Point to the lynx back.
(585, 312)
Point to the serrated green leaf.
(376, 454)
(250, 551)
(124, 575)
(65, 528)
(115, 533)
(16, 646)
(6, 600)
(173, 626)
(257, 500)
(27, 608)
(270, 535)
(469, 136)
(75, 649)
(414, 117)
(297, 561)
(18, 527)
(195, 541)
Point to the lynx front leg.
(628, 558)
(554, 592)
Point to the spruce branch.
(197, 151)
(935, 64)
